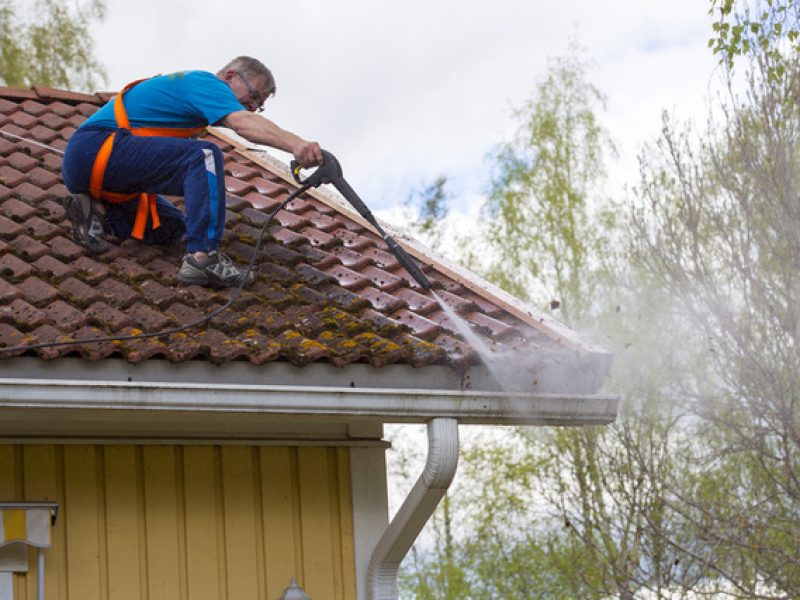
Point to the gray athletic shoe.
(87, 222)
(217, 271)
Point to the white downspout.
(417, 508)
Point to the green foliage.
(538, 207)
(431, 203)
(50, 44)
(717, 230)
(770, 29)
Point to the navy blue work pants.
(190, 168)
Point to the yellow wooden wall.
(187, 522)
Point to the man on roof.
(140, 145)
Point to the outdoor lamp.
(293, 592)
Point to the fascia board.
(385, 405)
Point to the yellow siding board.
(202, 556)
(316, 526)
(187, 523)
(43, 475)
(348, 555)
(10, 480)
(161, 523)
(122, 523)
(279, 515)
(81, 513)
(240, 522)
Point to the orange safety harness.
(147, 202)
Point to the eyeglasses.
(253, 99)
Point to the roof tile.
(43, 178)
(457, 303)
(28, 248)
(9, 229)
(22, 161)
(37, 292)
(67, 317)
(417, 302)
(383, 279)
(148, 318)
(78, 293)
(422, 327)
(23, 119)
(23, 315)
(345, 298)
(65, 249)
(349, 258)
(39, 228)
(11, 336)
(13, 268)
(104, 315)
(11, 177)
(62, 110)
(117, 294)
(7, 292)
(353, 240)
(320, 238)
(382, 301)
(53, 268)
(347, 278)
(88, 269)
(155, 293)
(268, 188)
(44, 134)
(17, 210)
(33, 107)
(31, 193)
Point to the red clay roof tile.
(327, 288)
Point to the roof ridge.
(40, 92)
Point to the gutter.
(417, 508)
(375, 404)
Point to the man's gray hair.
(250, 67)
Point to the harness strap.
(147, 202)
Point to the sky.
(402, 92)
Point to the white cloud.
(403, 91)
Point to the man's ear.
(228, 75)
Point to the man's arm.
(263, 131)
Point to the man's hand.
(308, 154)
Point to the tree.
(539, 199)
(53, 49)
(717, 230)
(742, 27)
(431, 204)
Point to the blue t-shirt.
(185, 99)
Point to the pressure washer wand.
(330, 171)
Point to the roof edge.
(384, 405)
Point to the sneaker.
(87, 223)
(215, 271)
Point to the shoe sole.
(198, 277)
(78, 217)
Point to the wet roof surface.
(327, 289)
